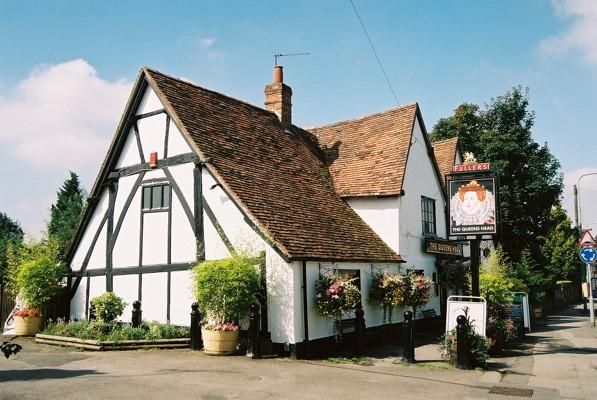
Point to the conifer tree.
(65, 213)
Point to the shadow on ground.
(43, 373)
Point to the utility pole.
(576, 207)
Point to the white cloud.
(61, 116)
(581, 34)
(207, 42)
(587, 195)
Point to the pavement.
(558, 360)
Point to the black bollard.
(136, 314)
(408, 339)
(92, 312)
(196, 343)
(253, 350)
(463, 359)
(359, 331)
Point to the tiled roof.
(367, 156)
(445, 154)
(275, 176)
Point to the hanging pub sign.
(472, 205)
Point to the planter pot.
(27, 326)
(219, 343)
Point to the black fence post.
(253, 350)
(408, 338)
(136, 314)
(196, 343)
(359, 330)
(463, 360)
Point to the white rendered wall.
(152, 131)
(183, 237)
(77, 303)
(176, 142)
(381, 214)
(242, 236)
(155, 238)
(129, 155)
(150, 102)
(126, 247)
(91, 229)
(181, 289)
(97, 286)
(420, 179)
(282, 292)
(319, 326)
(98, 256)
(154, 303)
(127, 287)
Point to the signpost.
(588, 255)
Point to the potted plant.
(37, 281)
(225, 289)
(388, 290)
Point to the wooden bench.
(429, 313)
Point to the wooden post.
(253, 345)
(359, 331)
(462, 345)
(136, 314)
(196, 342)
(475, 261)
(408, 339)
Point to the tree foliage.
(559, 247)
(10, 234)
(65, 213)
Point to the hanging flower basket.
(388, 290)
(336, 295)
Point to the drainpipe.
(305, 315)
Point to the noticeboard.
(472, 206)
(472, 307)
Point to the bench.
(429, 313)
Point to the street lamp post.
(578, 223)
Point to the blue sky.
(66, 69)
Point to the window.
(428, 215)
(156, 197)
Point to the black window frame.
(428, 216)
(149, 190)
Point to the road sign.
(586, 239)
(587, 255)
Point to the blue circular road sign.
(587, 254)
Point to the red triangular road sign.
(586, 239)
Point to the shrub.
(478, 348)
(108, 306)
(226, 288)
(39, 280)
(112, 331)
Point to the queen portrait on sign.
(472, 204)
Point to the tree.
(64, 215)
(10, 234)
(528, 173)
(560, 248)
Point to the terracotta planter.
(219, 343)
(27, 326)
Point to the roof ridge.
(364, 117)
(444, 140)
(150, 69)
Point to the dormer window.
(156, 197)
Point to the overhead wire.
(375, 52)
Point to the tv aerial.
(276, 56)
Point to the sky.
(67, 68)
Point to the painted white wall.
(129, 154)
(154, 303)
(98, 256)
(152, 131)
(282, 292)
(150, 102)
(420, 180)
(319, 326)
(183, 237)
(155, 238)
(181, 289)
(77, 303)
(242, 236)
(177, 144)
(92, 226)
(127, 287)
(126, 247)
(97, 286)
(381, 214)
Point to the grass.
(434, 365)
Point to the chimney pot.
(278, 74)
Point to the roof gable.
(272, 172)
(445, 154)
(367, 156)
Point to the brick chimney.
(277, 97)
